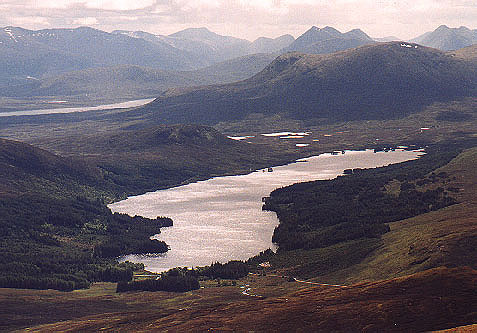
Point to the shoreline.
(148, 259)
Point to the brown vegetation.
(435, 299)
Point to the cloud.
(119, 5)
(244, 18)
(51, 4)
(30, 21)
(110, 5)
(88, 21)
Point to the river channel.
(221, 219)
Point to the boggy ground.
(440, 298)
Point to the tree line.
(184, 279)
(318, 214)
(68, 243)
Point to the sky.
(248, 19)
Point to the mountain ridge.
(211, 47)
(378, 81)
(448, 39)
(133, 81)
(328, 40)
(46, 62)
(34, 53)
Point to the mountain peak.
(463, 28)
(328, 40)
(317, 34)
(195, 33)
(88, 29)
(202, 30)
(442, 27)
(331, 30)
(448, 39)
(358, 34)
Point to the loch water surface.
(122, 105)
(221, 219)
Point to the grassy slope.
(444, 237)
(394, 305)
(461, 329)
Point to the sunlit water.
(123, 105)
(221, 219)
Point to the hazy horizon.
(243, 18)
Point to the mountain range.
(209, 47)
(378, 81)
(448, 39)
(328, 40)
(29, 54)
(134, 64)
(34, 53)
(133, 81)
(131, 64)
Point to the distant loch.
(122, 105)
(221, 219)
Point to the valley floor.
(402, 284)
(435, 299)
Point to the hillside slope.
(22, 167)
(444, 237)
(468, 53)
(370, 82)
(53, 220)
(332, 231)
(394, 305)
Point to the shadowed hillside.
(22, 163)
(56, 232)
(141, 160)
(371, 82)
